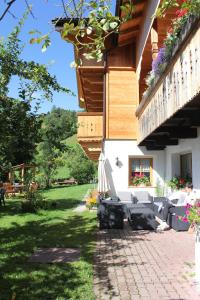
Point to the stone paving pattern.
(135, 265)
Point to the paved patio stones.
(137, 265)
(55, 255)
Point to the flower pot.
(197, 257)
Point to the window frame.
(130, 170)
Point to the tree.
(34, 77)
(57, 125)
(19, 125)
(19, 133)
(81, 168)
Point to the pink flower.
(187, 212)
(177, 217)
(185, 219)
(188, 206)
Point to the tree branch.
(9, 4)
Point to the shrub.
(81, 168)
(33, 202)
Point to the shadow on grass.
(13, 206)
(46, 281)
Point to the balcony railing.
(177, 86)
(90, 126)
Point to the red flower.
(170, 30)
(181, 12)
(181, 181)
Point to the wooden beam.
(131, 24)
(177, 132)
(155, 148)
(127, 38)
(159, 141)
(93, 83)
(93, 88)
(85, 113)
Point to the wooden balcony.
(90, 133)
(172, 107)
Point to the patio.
(144, 265)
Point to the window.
(140, 167)
(186, 166)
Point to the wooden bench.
(67, 182)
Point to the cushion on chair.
(143, 196)
(125, 196)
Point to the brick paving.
(135, 265)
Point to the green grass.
(72, 140)
(63, 172)
(21, 234)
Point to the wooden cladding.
(90, 126)
(122, 56)
(179, 84)
(121, 102)
(90, 133)
(90, 87)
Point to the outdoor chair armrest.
(160, 199)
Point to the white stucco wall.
(173, 154)
(118, 175)
(166, 163)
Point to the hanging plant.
(88, 25)
(186, 9)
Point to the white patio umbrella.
(103, 184)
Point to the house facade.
(153, 131)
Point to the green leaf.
(113, 25)
(106, 26)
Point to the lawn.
(21, 234)
(63, 171)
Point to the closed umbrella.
(103, 184)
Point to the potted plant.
(192, 215)
(91, 203)
(140, 180)
(177, 183)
